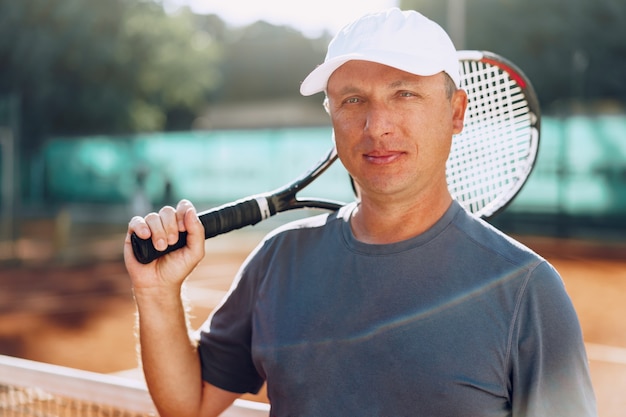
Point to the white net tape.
(37, 389)
(29, 388)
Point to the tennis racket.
(489, 162)
(495, 153)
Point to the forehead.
(356, 74)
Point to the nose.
(379, 120)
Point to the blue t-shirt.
(458, 321)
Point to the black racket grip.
(216, 221)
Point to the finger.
(168, 220)
(195, 231)
(129, 256)
(138, 226)
(159, 235)
(181, 210)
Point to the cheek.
(346, 132)
(435, 139)
(441, 139)
(346, 121)
(346, 150)
(343, 150)
(442, 126)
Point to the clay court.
(74, 308)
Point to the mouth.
(382, 157)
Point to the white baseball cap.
(405, 40)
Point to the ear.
(459, 105)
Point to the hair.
(450, 86)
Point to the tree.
(45, 50)
(264, 61)
(88, 66)
(570, 49)
(177, 66)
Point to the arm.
(550, 372)
(169, 357)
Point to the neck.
(381, 223)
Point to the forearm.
(170, 361)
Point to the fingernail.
(161, 244)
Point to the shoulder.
(539, 286)
(492, 242)
(302, 235)
(317, 224)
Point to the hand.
(168, 271)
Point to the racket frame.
(523, 118)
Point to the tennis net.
(29, 388)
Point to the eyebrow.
(349, 89)
(403, 83)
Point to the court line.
(605, 353)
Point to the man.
(401, 304)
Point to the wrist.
(159, 296)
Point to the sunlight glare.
(311, 18)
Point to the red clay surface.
(55, 310)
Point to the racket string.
(481, 169)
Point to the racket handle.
(216, 221)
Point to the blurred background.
(114, 108)
(101, 101)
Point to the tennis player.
(400, 304)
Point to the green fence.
(205, 167)
(581, 168)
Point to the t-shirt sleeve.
(550, 372)
(224, 342)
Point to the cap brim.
(317, 80)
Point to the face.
(393, 130)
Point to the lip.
(382, 157)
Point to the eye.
(406, 94)
(352, 100)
